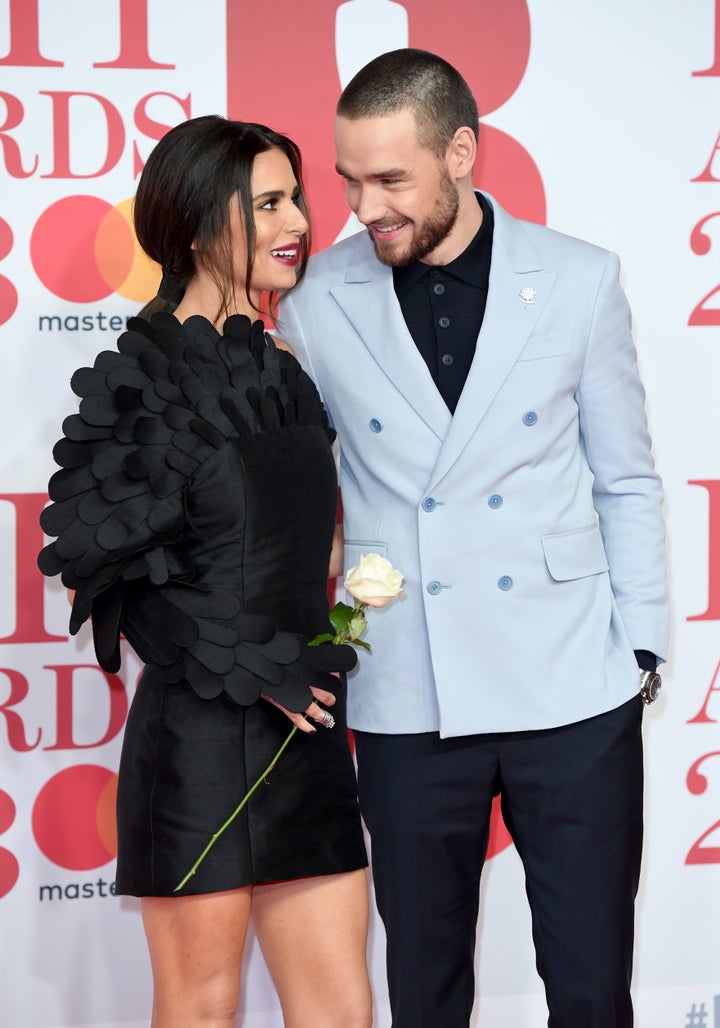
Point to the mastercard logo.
(73, 822)
(83, 249)
(73, 818)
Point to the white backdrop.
(603, 120)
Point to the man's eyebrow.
(389, 173)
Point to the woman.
(195, 512)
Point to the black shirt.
(444, 307)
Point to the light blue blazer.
(528, 525)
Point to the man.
(481, 375)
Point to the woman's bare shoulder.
(281, 344)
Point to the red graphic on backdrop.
(86, 225)
(700, 243)
(9, 867)
(713, 564)
(701, 852)
(488, 42)
(25, 38)
(81, 222)
(106, 257)
(29, 583)
(8, 292)
(714, 69)
(73, 819)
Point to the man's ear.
(461, 152)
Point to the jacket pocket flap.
(575, 554)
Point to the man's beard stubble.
(430, 233)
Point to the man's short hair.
(436, 92)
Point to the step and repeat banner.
(601, 120)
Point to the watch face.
(651, 684)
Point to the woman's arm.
(337, 560)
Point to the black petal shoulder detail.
(151, 413)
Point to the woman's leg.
(313, 934)
(196, 946)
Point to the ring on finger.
(327, 720)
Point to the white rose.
(374, 581)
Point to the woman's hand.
(314, 711)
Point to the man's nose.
(368, 206)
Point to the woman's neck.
(203, 297)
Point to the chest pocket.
(539, 347)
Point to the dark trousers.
(572, 801)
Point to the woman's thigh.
(196, 945)
(313, 935)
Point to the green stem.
(235, 812)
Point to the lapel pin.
(527, 294)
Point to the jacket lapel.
(509, 320)
(368, 299)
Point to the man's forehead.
(380, 125)
(381, 143)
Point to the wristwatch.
(650, 685)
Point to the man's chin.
(389, 253)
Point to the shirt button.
(376, 425)
(444, 321)
(495, 501)
(435, 273)
(429, 504)
(505, 583)
(434, 587)
(439, 288)
(529, 417)
(447, 359)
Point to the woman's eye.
(269, 205)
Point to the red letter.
(61, 133)
(149, 127)
(24, 38)
(133, 38)
(702, 715)
(706, 174)
(11, 150)
(29, 587)
(15, 728)
(697, 783)
(713, 609)
(118, 706)
(715, 67)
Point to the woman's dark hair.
(183, 201)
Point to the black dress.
(194, 513)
